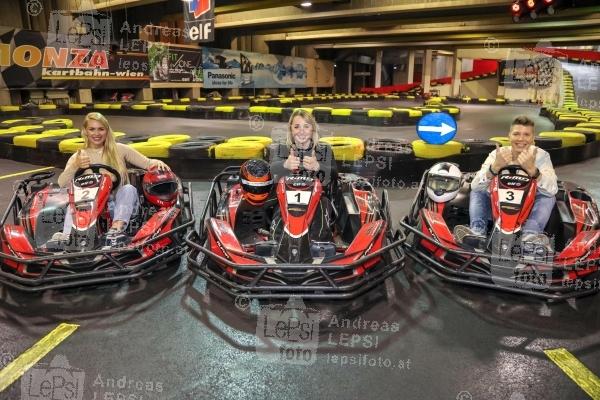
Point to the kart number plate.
(297, 197)
(510, 196)
(85, 194)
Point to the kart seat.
(250, 218)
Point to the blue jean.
(124, 203)
(480, 212)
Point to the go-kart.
(287, 248)
(32, 260)
(566, 269)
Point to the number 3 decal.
(510, 195)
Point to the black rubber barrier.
(381, 171)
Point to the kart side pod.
(368, 240)
(15, 241)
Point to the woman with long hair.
(100, 147)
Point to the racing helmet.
(161, 188)
(256, 181)
(443, 182)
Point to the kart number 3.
(85, 194)
(298, 197)
(510, 196)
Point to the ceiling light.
(306, 4)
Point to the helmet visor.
(443, 184)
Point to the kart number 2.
(296, 197)
(510, 196)
(86, 194)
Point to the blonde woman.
(100, 147)
(303, 152)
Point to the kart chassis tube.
(42, 282)
(253, 289)
(551, 292)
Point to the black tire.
(548, 143)
(395, 151)
(133, 139)
(190, 150)
(212, 139)
(8, 137)
(386, 141)
(51, 143)
(479, 146)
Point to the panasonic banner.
(199, 18)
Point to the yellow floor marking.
(26, 172)
(575, 370)
(28, 359)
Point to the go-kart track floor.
(169, 337)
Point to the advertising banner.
(527, 73)
(242, 69)
(173, 64)
(28, 59)
(199, 20)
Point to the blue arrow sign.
(436, 128)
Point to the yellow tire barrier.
(155, 148)
(273, 110)
(166, 100)
(591, 124)
(341, 112)
(185, 100)
(10, 108)
(345, 148)
(172, 138)
(391, 97)
(76, 106)
(31, 139)
(412, 113)
(380, 113)
(452, 110)
(47, 106)
(235, 98)
(74, 144)
(101, 106)
(569, 139)
(502, 140)
(139, 107)
(258, 109)
(263, 140)
(225, 108)
(25, 128)
(66, 121)
(175, 107)
(570, 118)
(426, 150)
(580, 129)
(116, 106)
(239, 150)
(323, 108)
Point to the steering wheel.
(514, 169)
(96, 169)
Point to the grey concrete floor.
(169, 336)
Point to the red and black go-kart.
(245, 251)
(567, 269)
(31, 260)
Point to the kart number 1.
(86, 194)
(298, 197)
(510, 196)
